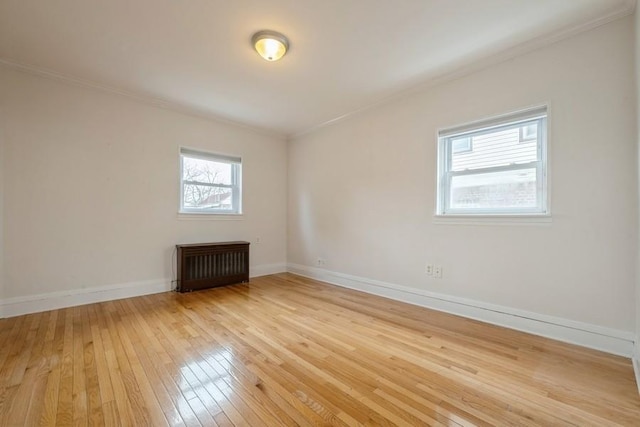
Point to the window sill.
(207, 216)
(523, 219)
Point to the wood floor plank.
(40, 367)
(143, 403)
(49, 412)
(122, 406)
(138, 350)
(28, 393)
(79, 388)
(64, 415)
(95, 415)
(102, 376)
(286, 350)
(239, 355)
(17, 359)
(204, 399)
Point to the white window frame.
(235, 186)
(445, 174)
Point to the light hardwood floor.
(285, 350)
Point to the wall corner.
(636, 361)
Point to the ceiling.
(345, 54)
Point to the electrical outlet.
(321, 262)
(429, 270)
(437, 272)
(258, 240)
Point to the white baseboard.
(17, 306)
(266, 269)
(584, 334)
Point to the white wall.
(91, 187)
(637, 70)
(2, 226)
(362, 191)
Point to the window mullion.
(514, 166)
(235, 196)
(207, 184)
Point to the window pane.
(205, 197)
(460, 145)
(500, 147)
(208, 171)
(497, 190)
(529, 131)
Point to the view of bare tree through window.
(207, 184)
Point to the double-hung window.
(210, 183)
(494, 167)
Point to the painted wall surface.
(362, 191)
(2, 132)
(91, 192)
(637, 75)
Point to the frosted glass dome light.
(270, 44)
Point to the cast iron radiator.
(206, 265)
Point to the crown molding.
(627, 8)
(143, 98)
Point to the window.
(503, 170)
(210, 183)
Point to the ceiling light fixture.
(270, 45)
